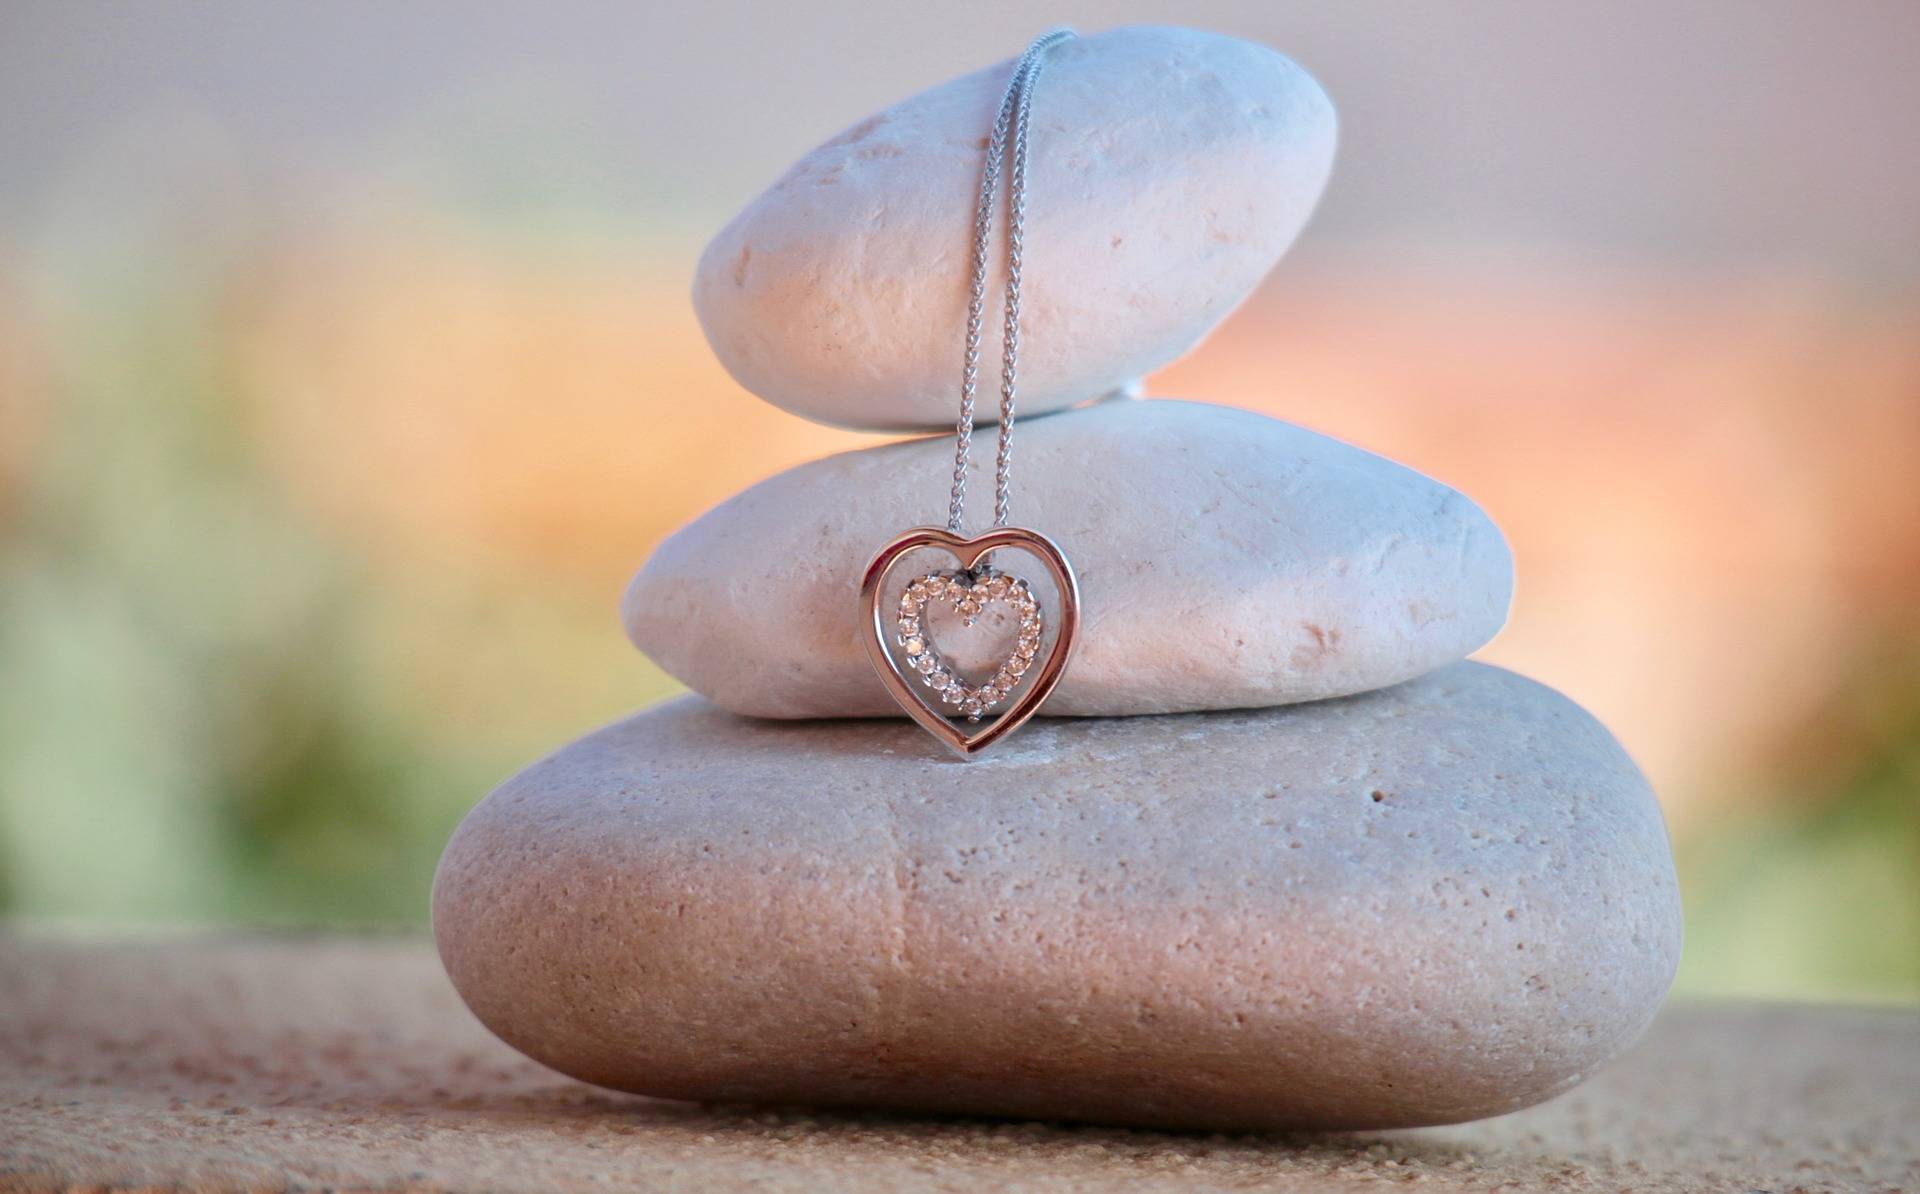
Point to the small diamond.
(909, 628)
(997, 587)
(925, 664)
(908, 606)
(942, 679)
(953, 694)
(972, 707)
(990, 695)
(1018, 665)
(968, 607)
(933, 585)
(915, 646)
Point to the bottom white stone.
(1427, 904)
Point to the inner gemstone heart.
(969, 594)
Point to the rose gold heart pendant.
(1022, 681)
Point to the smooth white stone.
(1437, 902)
(1225, 559)
(1170, 170)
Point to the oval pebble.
(1225, 560)
(1170, 169)
(1437, 902)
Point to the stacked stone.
(1273, 856)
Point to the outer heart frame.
(968, 553)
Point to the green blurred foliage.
(201, 718)
(184, 730)
(1813, 890)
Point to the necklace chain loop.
(1012, 120)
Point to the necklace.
(899, 637)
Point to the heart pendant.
(1024, 678)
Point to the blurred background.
(347, 370)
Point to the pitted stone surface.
(1433, 903)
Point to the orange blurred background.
(347, 370)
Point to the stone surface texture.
(1170, 170)
(1428, 904)
(1226, 560)
(228, 1064)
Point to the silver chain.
(1014, 109)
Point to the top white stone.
(1170, 169)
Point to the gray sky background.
(1745, 132)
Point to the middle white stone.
(1226, 560)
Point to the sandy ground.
(272, 1064)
